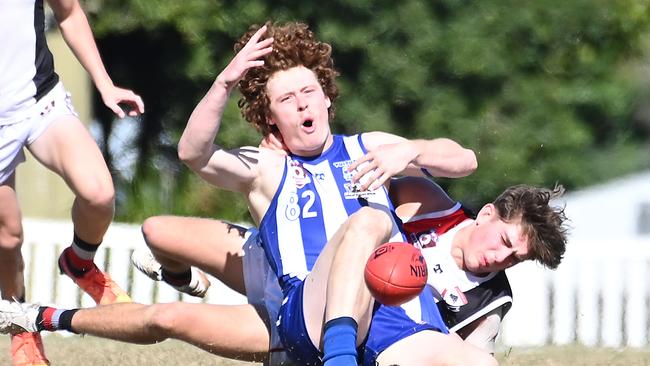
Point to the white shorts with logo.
(262, 289)
(29, 126)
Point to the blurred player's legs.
(67, 148)
(26, 348)
(11, 238)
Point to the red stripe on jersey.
(424, 232)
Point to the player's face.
(299, 108)
(494, 244)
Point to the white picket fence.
(596, 297)
(599, 296)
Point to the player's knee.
(11, 239)
(100, 197)
(162, 319)
(370, 222)
(152, 231)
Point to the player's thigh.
(433, 348)
(214, 246)
(359, 225)
(229, 330)
(67, 148)
(11, 230)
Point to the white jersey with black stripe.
(26, 63)
(461, 296)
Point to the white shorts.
(262, 289)
(16, 135)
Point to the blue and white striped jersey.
(314, 198)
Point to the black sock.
(177, 279)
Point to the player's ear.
(487, 212)
(328, 102)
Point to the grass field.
(74, 351)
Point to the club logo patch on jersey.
(299, 174)
(454, 298)
(424, 239)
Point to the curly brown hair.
(293, 45)
(544, 225)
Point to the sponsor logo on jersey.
(352, 190)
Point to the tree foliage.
(541, 90)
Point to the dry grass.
(575, 356)
(76, 350)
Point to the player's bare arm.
(236, 169)
(415, 196)
(79, 37)
(389, 155)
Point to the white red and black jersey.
(26, 64)
(461, 296)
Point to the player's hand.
(378, 166)
(248, 57)
(274, 142)
(114, 96)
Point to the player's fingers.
(116, 109)
(255, 63)
(358, 162)
(259, 53)
(256, 36)
(264, 43)
(138, 103)
(380, 181)
(366, 180)
(363, 171)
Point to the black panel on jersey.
(45, 78)
(478, 300)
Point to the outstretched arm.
(236, 169)
(389, 155)
(79, 37)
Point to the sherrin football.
(395, 273)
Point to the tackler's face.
(299, 109)
(494, 244)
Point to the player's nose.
(301, 102)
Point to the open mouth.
(308, 123)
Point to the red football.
(395, 273)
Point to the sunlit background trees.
(544, 91)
